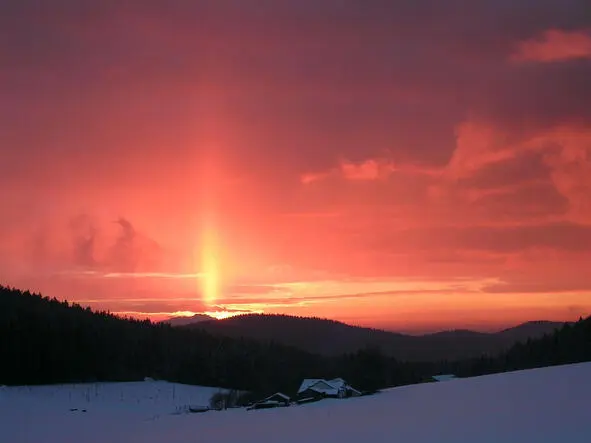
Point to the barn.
(313, 389)
(273, 401)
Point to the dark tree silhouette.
(44, 340)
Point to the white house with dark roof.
(317, 388)
(273, 401)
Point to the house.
(273, 401)
(443, 377)
(313, 389)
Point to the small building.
(273, 401)
(443, 377)
(313, 389)
(309, 396)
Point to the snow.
(52, 412)
(542, 406)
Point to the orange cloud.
(554, 45)
(571, 170)
(311, 177)
(370, 169)
(477, 145)
(366, 170)
(540, 175)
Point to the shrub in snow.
(230, 399)
(218, 401)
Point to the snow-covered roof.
(277, 394)
(307, 382)
(337, 382)
(329, 387)
(444, 377)
(271, 399)
(318, 385)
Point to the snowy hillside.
(541, 406)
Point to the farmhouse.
(273, 401)
(313, 389)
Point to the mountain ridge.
(331, 337)
(186, 321)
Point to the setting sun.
(220, 315)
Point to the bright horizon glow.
(157, 316)
(220, 315)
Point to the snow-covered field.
(538, 406)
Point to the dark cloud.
(538, 287)
(147, 306)
(504, 239)
(456, 257)
(530, 201)
(527, 166)
(560, 236)
(538, 95)
(128, 252)
(288, 300)
(124, 255)
(84, 233)
(303, 82)
(237, 311)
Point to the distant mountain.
(331, 338)
(569, 344)
(185, 321)
(531, 329)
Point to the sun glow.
(210, 281)
(220, 315)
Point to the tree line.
(44, 340)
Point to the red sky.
(413, 165)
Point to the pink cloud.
(311, 177)
(488, 161)
(477, 144)
(370, 169)
(554, 45)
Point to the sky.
(409, 165)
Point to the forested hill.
(569, 344)
(332, 338)
(44, 340)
